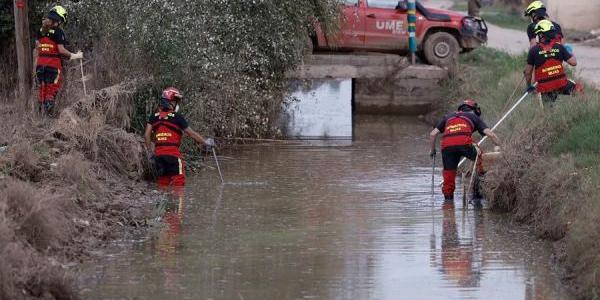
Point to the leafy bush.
(228, 57)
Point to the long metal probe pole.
(498, 123)
(432, 235)
(432, 175)
(471, 180)
(218, 167)
(83, 77)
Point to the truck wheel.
(441, 49)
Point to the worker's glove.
(569, 48)
(209, 143)
(530, 88)
(78, 55)
(432, 153)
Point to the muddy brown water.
(326, 220)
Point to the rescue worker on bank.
(537, 12)
(166, 128)
(457, 129)
(50, 49)
(546, 59)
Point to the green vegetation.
(550, 174)
(498, 14)
(228, 57)
(583, 139)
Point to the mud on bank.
(549, 177)
(68, 185)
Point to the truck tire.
(441, 49)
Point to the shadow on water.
(349, 221)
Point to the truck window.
(382, 3)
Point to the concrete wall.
(413, 90)
(384, 83)
(575, 14)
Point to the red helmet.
(472, 105)
(172, 94)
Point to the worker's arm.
(488, 132)
(432, 138)
(572, 61)
(63, 51)
(148, 136)
(195, 136)
(528, 74)
(532, 42)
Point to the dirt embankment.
(68, 185)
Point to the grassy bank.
(549, 176)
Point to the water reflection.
(166, 241)
(331, 222)
(458, 256)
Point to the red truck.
(381, 25)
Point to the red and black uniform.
(547, 59)
(457, 142)
(167, 131)
(49, 64)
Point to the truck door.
(353, 27)
(386, 27)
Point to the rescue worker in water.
(546, 59)
(457, 129)
(50, 49)
(166, 128)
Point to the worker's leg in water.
(170, 171)
(451, 157)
